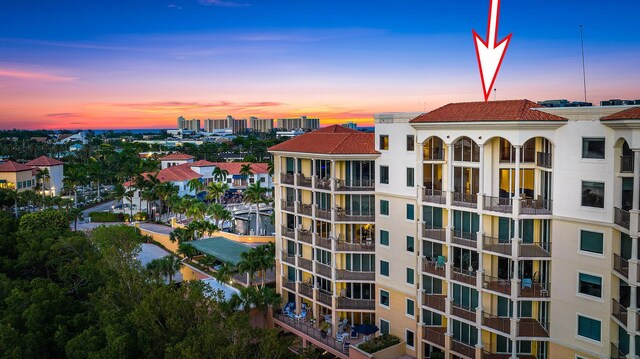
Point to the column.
(636, 180)
(295, 171)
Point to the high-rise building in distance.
(298, 123)
(261, 124)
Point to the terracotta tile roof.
(234, 167)
(330, 140)
(178, 173)
(44, 161)
(11, 166)
(176, 156)
(628, 114)
(509, 110)
(201, 163)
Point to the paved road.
(99, 208)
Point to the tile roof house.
(628, 114)
(16, 175)
(56, 172)
(335, 140)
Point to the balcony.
(434, 196)
(342, 274)
(290, 285)
(355, 216)
(463, 348)
(536, 206)
(532, 328)
(461, 311)
(621, 217)
(535, 249)
(616, 353)
(304, 209)
(286, 178)
(432, 267)
(324, 297)
(464, 238)
(355, 185)
(305, 263)
(323, 269)
(543, 159)
(498, 204)
(488, 355)
(536, 290)
(323, 183)
(619, 312)
(323, 242)
(304, 236)
(287, 206)
(463, 275)
(499, 285)
(288, 232)
(626, 164)
(434, 301)
(323, 213)
(434, 335)
(621, 265)
(501, 324)
(303, 181)
(309, 330)
(306, 290)
(434, 233)
(362, 246)
(288, 258)
(356, 304)
(496, 245)
(469, 200)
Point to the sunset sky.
(142, 63)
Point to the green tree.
(220, 174)
(255, 195)
(215, 190)
(195, 185)
(187, 251)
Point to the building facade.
(53, 184)
(14, 175)
(298, 123)
(261, 124)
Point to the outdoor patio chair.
(527, 283)
(441, 261)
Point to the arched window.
(465, 150)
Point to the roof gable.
(176, 156)
(330, 140)
(628, 114)
(44, 161)
(12, 166)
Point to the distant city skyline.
(141, 64)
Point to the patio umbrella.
(366, 329)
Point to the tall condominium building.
(210, 125)
(192, 125)
(232, 124)
(237, 125)
(351, 125)
(325, 208)
(298, 123)
(509, 230)
(261, 124)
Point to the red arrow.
(490, 54)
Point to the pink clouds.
(32, 75)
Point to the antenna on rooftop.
(495, 94)
(584, 75)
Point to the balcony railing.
(323, 242)
(434, 301)
(621, 217)
(465, 199)
(311, 331)
(355, 216)
(290, 285)
(434, 335)
(532, 328)
(499, 285)
(306, 290)
(303, 181)
(433, 196)
(463, 312)
(324, 297)
(536, 290)
(432, 267)
(304, 209)
(626, 164)
(286, 178)
(323, 213)
(619, 312)
(621, 265)
(355, 185)
(356, 304)
(535, 249)
(287, 206)
(501, 324)
(496, 245)
(323, 183)
(463, 348)
(544, 159)
(536, 206)
(464, 238)
(304, 263)
(288, 258)
(498, 204)
(463, 275)
(617, 353)
(288, 232)
(434, 233)
(343, 274)
(304, 235)
(323, 269)
(362, 246)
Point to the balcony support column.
(314, 177)
(295, 173)
(481, 172)
(636, 181)
(449, 182)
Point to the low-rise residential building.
(14, 175)
(53, 185)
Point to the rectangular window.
(410, 143)
(410, 212)
(593, 147)
(384, 268)
(410, 276)
(411, 309)
(410, 244)
(384, 142)
(384, 237)
(590, 285)
(589, 328)
(592, 194)
(384, 327)
(384, 207)
(384, 298)
(384, 174)
(592, 242)
(409, 338)
(410, 177)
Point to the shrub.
(140, 216)
(378, 343)
(108, 217)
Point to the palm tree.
(13, 194)
(249, 263)
(119, 193)
(215, 190)
(187, 251)
(220, 174)
(165, 192)
(225, 273)
(97, 172)
(270, 168)
(139, 184)
(181, 235)
(247, 298)
(219, 213)
(43, 176)
(74, 177)
(195, 185)
(170, 265)
(268, 298)
(255, 194)
(148, 196)
(246, 170)
(196, 211)
(76, 214)
(267, 259)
